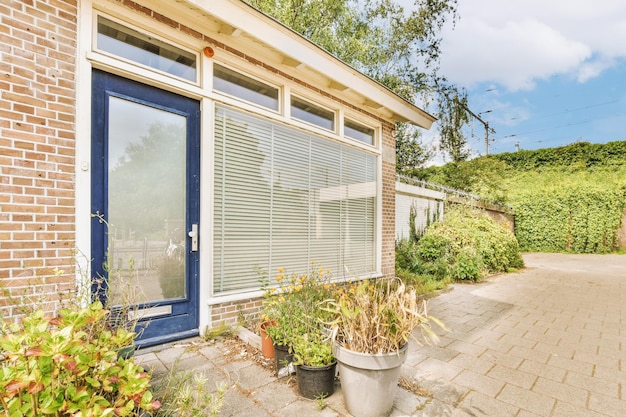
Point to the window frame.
(245, 74)
(355, 121)
(314, 104)
(153, 35)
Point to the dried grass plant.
(380, 317)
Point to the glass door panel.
(146, 199)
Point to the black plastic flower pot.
(283, 360)
(316, 381)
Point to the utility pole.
(485, 124)
(486, 137)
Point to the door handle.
(193, 234)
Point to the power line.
(485, 124)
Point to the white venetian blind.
(284, 198)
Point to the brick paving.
(547, 341)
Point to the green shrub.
(569, 219)
(408, 263)
(466, 245)
(69, 365)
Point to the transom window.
(146, 50)
(312, 113)
(238, 85)
(359, 132)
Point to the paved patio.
(547, 341)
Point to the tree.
(410, 153)
(453, 116)
(397, 47)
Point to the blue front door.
(145, 205)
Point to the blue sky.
(552, 72)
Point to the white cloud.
(517, 42)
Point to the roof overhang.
(243, 27)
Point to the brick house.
(171, 150)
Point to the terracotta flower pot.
(267, 346)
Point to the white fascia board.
(244, 17)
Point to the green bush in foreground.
(466, 245)
(69, 365)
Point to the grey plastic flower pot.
(369, 382)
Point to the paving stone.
(526, 413)
(467, 348)
(563, 392)
(252, 411)
(251, 377)
(193, 362)
(594, 384)
(237, 404)
(275, 395)
(432, 409)
(479, 383)
(571, 365)
(477, 404)
(479, 365)
(303, 408)
(436, 352)
(563, 351)
(526, 399)
(543, 370)
(408, 403)
(607, 405)
(538, 336)
(211, 352)
(498, 345)
(512, 376)
(438, 369)
(562, 409)
(170, 355)
(335, 401)
(529, 353)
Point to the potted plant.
(315, 365)
(292, 309)
(281, 328)
(371, 330)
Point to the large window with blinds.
(285, 198)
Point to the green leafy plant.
(292, 304)
(313, 349)
(320, 401)
(186, 394)
(466, 245)
(69, 365)
(409, 267)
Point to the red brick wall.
(232, 313)
(37, 134)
